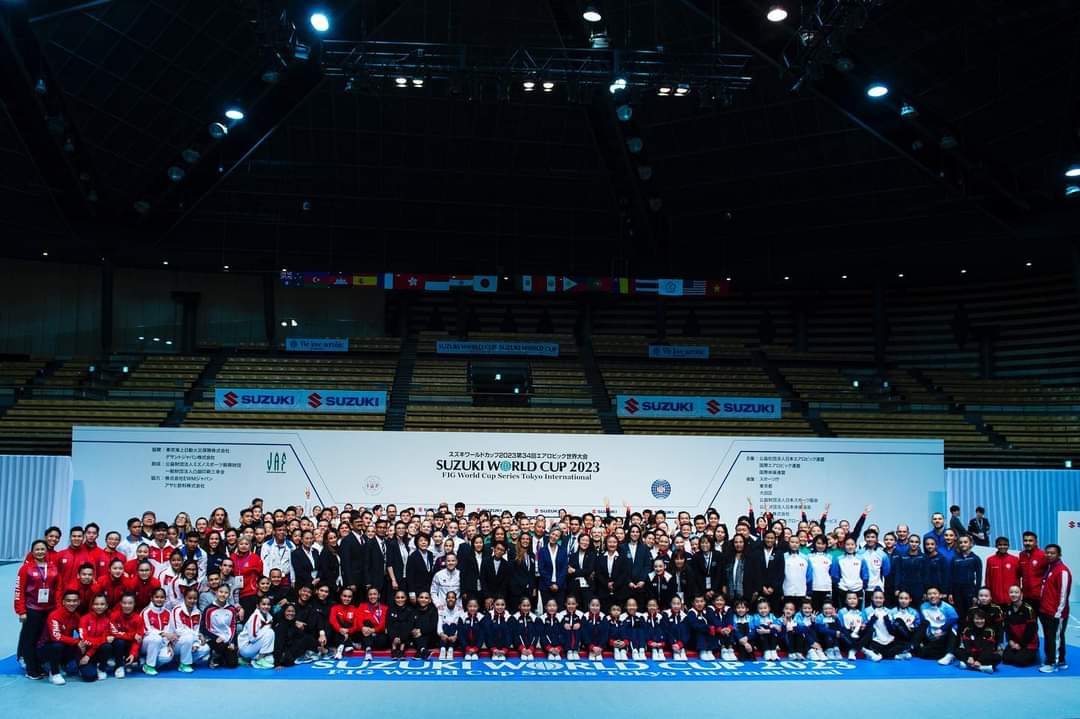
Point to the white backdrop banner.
(35, 493)
(1068, 537)
(193, 470)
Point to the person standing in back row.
(979, 528)
(1054, 609)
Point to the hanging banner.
(334, 401)
(679, 351)
(663, 407)
(520, 349)
(306, 344)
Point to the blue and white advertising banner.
(331, 401)
(521, 349)
(310, 344)
(169, 469)
(679, 351)
(663, 407)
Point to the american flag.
(694, 287)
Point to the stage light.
(1071, 190)
(92, 369)
(877, 90)
(786, 278)
(776, 14)
(218, 131)
(624, 112)
(843, 277)
(124, 369)
(284, 270)
(727, 279)
(141, 338)
(168, 342)
(320, 22)
(548, 86)
(498, 376)
(176, 173)
(517, 390)
(664, 91)
(234, 113)
(157, 339)
(294, 323)
(617, 85)
(900, 275)
(908, 112)
(1073, 171)
(284, 323)
(401, 81)
(599, 40)
(1068, 464)
(855, 383)
(1027, 264)
(225, 267)
(165, 262)
(529, 85)
(635, 145)
(682, 90)
(418, 82)
(592, 13)
(44, 253)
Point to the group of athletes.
(290, 586)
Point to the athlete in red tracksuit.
(59, 644)
(1054, 609)
(113, 584)
(69, 560)
(127, 628)
(1002, 572)
(95, 628)
(1021, 632)
(142, 585)
(35, 597)
(1032, 566)
(249, 566)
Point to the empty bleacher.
(202, 414)
(374, 373)
(43, 426)
(161, 375)
(962, 438)
(965, 389)
(464, 418)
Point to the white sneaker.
(851, 655)
(339, 652)
(1062, 666)
(449, 653)
(729, 655)
(101, 676)
(367, 655)
(572, 656)
(58, 679)
(708, 656)
(986, 669)
(946, 660)
(442, 652)
(120, 673)
(1045, 669)
(872, 655)
(904, 656)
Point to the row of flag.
(528, 284)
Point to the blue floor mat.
(355, 668)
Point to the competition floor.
(521, 690)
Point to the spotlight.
(1068, 464)
(190, 156)
(498, 376)
(124, 369)
(635, 145)
(168, 342)
(592, 13)
(44, 253)
(529, 85)
(682, 90)
(963, 272)
(517, 390)
(727, 279)
(284, 323)
(664, 91)
(786, 278)
(294, 323)
(599, 40)
(1073, 171)
(234, 113)
(141, 338)
(855, 383)
(401, 81)
(548, 86)
(157, 339)
(92, 369)
(1071, 190)
(877, 90)
(624, 112)
(218, 131)
(900, 275)
(165, 262)
(418, 82)
(176, 173)
(320, 22)
(908, 112)
(225, 267)
(618, 84)
(1027, 264)
(843, 277)
(776, 14)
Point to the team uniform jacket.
(827, 630)
(995, 619)
(185, 622)
(850, 572)
(497, 630)
(1032, 567)
(965, 575)
(1022, 626)
(68, 562)
(1002, 572)
(769, 621)
(552, 634)
(60, 626)
(128, 627)
(676, 629)
(344, 619)
(941, 618)
(909, 574)
(820, 572)
(980, 644)
(86, 594)
(470, 632)
(96, 629)
(156, 621)
(615, 632)
(219, 623)
(594, 631)
(654, 631)
(935, 572)
(142, 590)
(877, 565)
(635, 630)
(1057, 581)
(249, 567)
(721, 623)
(798, 575)
(372, 615)
(572, 637)
(524, 630)
(113, 589)
(906, 623)
(29, 581)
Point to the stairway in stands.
(789, 394)
(609, 420)
(399, 392)
(204, 382)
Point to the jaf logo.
(372, 485)
(314, 400)
(631, 405)
(230, 399)
(661, 489)
(275, 463)
(712, 406)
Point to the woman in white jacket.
(445, 581)
(158, 634)
(256, 640)
(186, 618)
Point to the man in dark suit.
(765, 573)
(419, 568)
(375, 558)
(351, 551)
(494, 573)
(305, 560)
(397, 553)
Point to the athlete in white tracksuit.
(189, 645)
(158, 631)
(256, 639)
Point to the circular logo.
(372, 485)
(504, 466)
(661, 489)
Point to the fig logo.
(230, 399)
(661, 489)
(314, 400)
(712, 406)
(631, 406)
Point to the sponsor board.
(306, 344)
(659, 406)
(679, 351)
(236, 399)
(1068, 536)
(520, 349)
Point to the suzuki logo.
(631, 405)
(314, 400)
(713, 406)
(230, 399)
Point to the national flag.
(670, 288)
(569, 284)
(485, 283)
(694, 287)
(624, 285)
(437, 283)
(365, 280)
(551, 283)
(645, 286)
(525, 283)
(405, 282)
(717, 288)
(461, 282)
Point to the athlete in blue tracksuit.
(496, 628)
(908, 568)
(594, 629)
(722, 618)
(937, 639)
(633, 625)
(524, 631)
(573, 628)
(654, 630)
(935, 567)
(552, 636)
(907, 623)
(699, 621)
(676, 628)
(965, 578)
(740, 630)
(470, 632)
(827, 627)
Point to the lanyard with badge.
(43, 592)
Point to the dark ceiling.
(762, 183)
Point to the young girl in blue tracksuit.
(701, 639)
(654, 630)
(617, 640)
(740, 630)
(792, 639)
(470, 630)
(449, 623)
(879, 637)
(851, 624)
(594, 630)
(722, 618)
(634, 626)
(573, 626)
(525, 630)
(676, 629)
(937, 639)
(764, 630)
(827, 631)
(906, 621)
(806, 621)
(552, 638)
(496, 628)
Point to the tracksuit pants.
(1054, 637)
(257, 646)
(188, 652)
(156, 650)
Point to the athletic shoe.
(367, 655)
(149, 670)
(265, 662)
(946, 660)
(872, 655)
(986, 669)
(706, 656)
(1062, 666)
(442, 652)
(904, 656)
(571, 655)
(101, 676)
(308, 658)
(1048, 668)
(120, 673)
(186, 668)
(243, 662)
(58, 679)
(851, 655)
(339, 652)
(36, 676)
